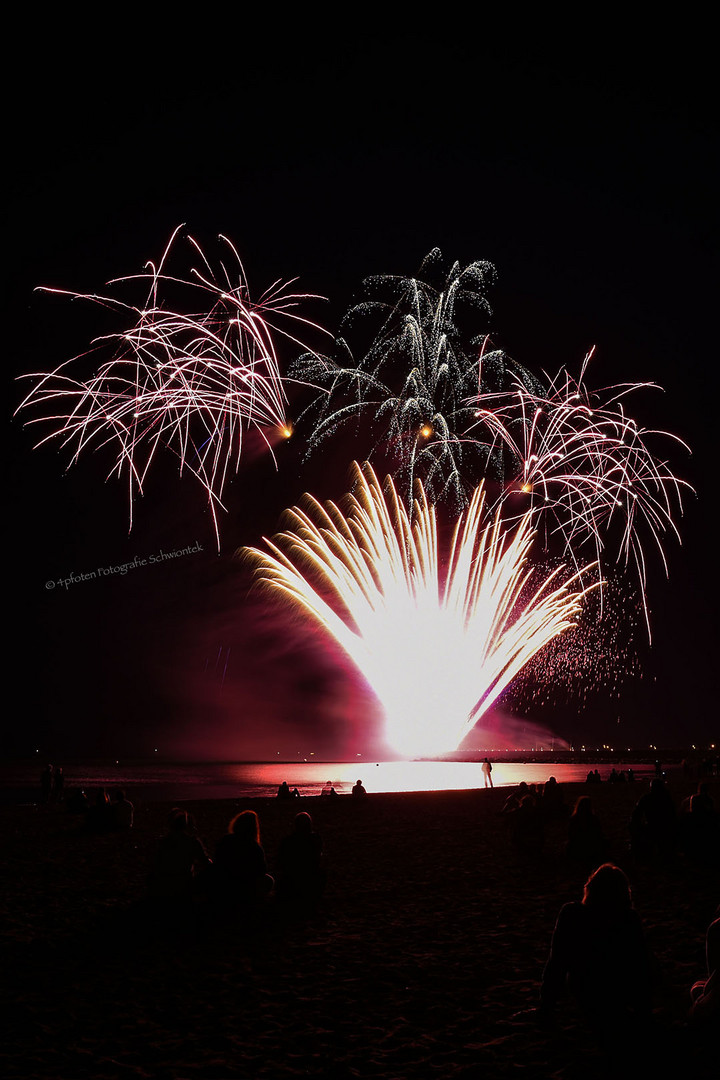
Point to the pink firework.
(193, 383)
(585, 466)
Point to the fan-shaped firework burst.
(415, 379)
(585, 467)
(192, 382)
(438, 638)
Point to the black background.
(580, 159)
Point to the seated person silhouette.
(552, 802)
(586, 843)
(527, 826)
(653, 824)
(122, 811)
(240, 869)
(99, 816)
(180, 861)
(598, 954)
(705, 994)
(301, 875)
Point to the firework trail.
(585, 467)
(437, 637)
(416, 379)
(192, 381)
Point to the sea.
(156, 781)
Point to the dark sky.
(583, 164)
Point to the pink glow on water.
(193, 781)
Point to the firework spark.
(437, 638)
(416, 380)
(192, 382)
(586, 468)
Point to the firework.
(437, 637)
(416, 380)
(585, 468)
(192, 380)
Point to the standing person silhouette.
(487, 773)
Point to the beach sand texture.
(423, 959)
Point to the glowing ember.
(438, 638)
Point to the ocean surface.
(157, 781)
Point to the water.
(227, 780)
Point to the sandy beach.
(424, 957)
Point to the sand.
(423, 959)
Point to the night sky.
(584, 169)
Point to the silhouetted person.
(653, 825)
(327, 788)
(705, 994)
(284, 791)
(77, 802)
(296, 794)
(598, 954)
(58, 784)
(514, 798)
(46, 783)
(528, 833)
(487, 773)
(700, 831)
(358, 790)
(99, 816)
(241, 876)
(552, 802)
(586, 843)
(181, 860)
(123, 811)
(706, 799)
(301, 873)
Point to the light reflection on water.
(410, 775)
(228, 781)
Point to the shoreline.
(194, 781)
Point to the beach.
(423, 958)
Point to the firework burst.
(585, 468)
(192, 378)
(437, 636)
(416, 379)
